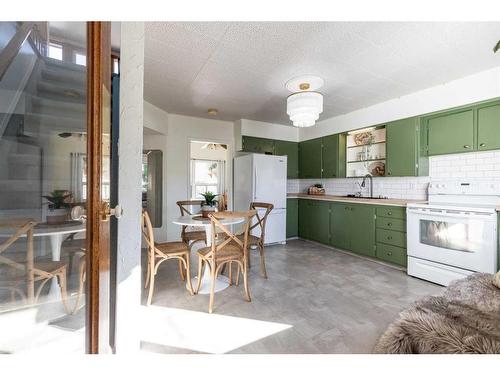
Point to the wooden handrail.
(12, 48)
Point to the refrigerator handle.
(255, 184)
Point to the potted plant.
(59, 203)
(209, 204)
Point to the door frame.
(98, 254)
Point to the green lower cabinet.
(352, 227)
(339, 226)
(291, 150)
(362, 227)
(304, 219)
(392, 254)
(391, 237)
(292, 218)
(314, 220)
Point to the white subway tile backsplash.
(474, 165)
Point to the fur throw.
(466, 319)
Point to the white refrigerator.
(262, 178)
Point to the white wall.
(155, 118)
(266, 130)
(477, 87)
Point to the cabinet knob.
(389, 253)
(389, 213)
(466, 146)
(389, 224)
(482, 144)
(389, 237)
(352, 208)
(389, 173)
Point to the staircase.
(53, 103)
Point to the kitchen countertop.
(338, 198)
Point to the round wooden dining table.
(222, 282)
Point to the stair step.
(36, 123)
(64, 75)
(56, 107)
(64, 65)
(61, 91)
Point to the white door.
(270, 180)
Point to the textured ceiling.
(241, 68)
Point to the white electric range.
(455, 233)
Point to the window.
(80, 59)
(116, 65)
(205, 176)
(55, 51)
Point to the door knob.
(107, 211)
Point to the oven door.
(462, 239)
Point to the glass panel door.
(43, 176)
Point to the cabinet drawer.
(391, 224)
(391, 237)
(392, 254)
(394, 212)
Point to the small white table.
(222, 282)
(56, 234)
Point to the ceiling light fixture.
(305, 104)
(212, 111)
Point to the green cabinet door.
(310, 158)
(292, 217)
(333, 156)
(362, 229)
(291, 150)
(488, 127)
(451, 133)
(258, 145)
(340, 226)
(304, 219)
(320, 219)
(401, 147)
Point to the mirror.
(152, 185)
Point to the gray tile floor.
(335, 302)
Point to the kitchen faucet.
(371, 183)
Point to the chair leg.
(212, 287)
(181, 270)
(148, 272)
(188, 275)
(64, 293)
(151, 282)
(238, 274)
(262, 262)
(230, 273)
(201, 267)
(80, 286)
(245, 282)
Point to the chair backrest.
(147, 230)
(261, 221)
(184, 205)
(231, 237)
(21, 227)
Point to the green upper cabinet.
(257, 145)
(488, 127)
(310, 158)
(451, 133)
(333, 156)
(291, 150)
(403, 151)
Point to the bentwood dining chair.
(160, 252)
(225, 250)
(26, 270)
(190, 237)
